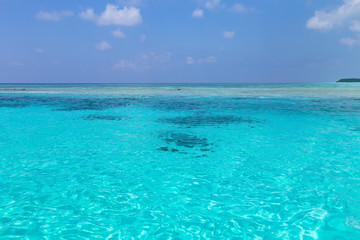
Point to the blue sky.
(135, 41)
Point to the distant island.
(349, 80)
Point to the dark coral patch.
(185, 140)
(12, 105)
(12, 102)
(78, 104)
(166, 149)
(65, 103)
(102, 117)
(175, 105)
(207, 120)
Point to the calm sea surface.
(157, 161)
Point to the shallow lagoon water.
(237, 161)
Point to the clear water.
(275, 161)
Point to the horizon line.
(9, 83)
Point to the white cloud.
(355, 26)
(190, 60)
(118, 33)
(113, 16)
(228, 34)
(142, 38)
(323, 20)
(153, 57)
(88, 15)
(198, 13)
(103, 45)
(351, 41)
(39, 50)
(238, 7)
(122, 64)
(211, 4)
(154, 61)
(131, 2)
(210, 59)
(348, 41)
(54, 16)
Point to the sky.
(179, 41)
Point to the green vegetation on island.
(349, 80)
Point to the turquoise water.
(179, 161)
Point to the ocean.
(180, 161)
